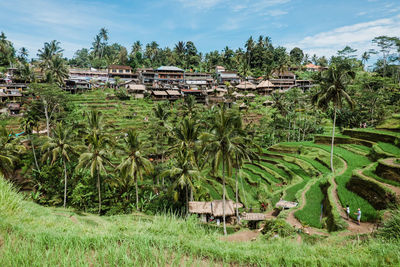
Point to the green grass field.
(31, 235)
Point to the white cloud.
(357, 36)
(276, 12)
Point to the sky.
(317, 26)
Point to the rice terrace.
(199, 133)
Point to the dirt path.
(291, 219)
(353, 227)
(242, 236)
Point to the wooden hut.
(246, 86)
(265, 87)
(137, 90)
(159, 95)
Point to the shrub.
(277, 227)
(391, 228)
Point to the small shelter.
(268, 103)
(159, 95)
(246, 86)
(265, 87)
(214, 208)
(138, 90)
(173, 95)
(286, 204)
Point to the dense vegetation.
(98, 152)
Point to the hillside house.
(123, 72)
(169, 74)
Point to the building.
(198, 78)
(137, 90)
(304, 84)
(283, 80)
(312, 67)
(158, 95)
(169, 74)
(199, 95)
(246, 86)
(77, 86)
(123, 72)
(265, 87)
(88, 74)
(228, 76)
(11, 92)
(146, 75)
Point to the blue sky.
(316, 26)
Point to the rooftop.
(169, 68)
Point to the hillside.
(34, 235)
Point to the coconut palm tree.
(135, 164)
(96, 159)
(31, 121)
(96, 45)
(58, 70)
(60, 147)
(184, 175)
(333, 84)
(103, 34)
(219, 143)
(9, 150)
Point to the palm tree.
(135, 164)
(48, 51)
(9, 149)
(58, 70)
(365, 57)
(103, 34)
(30, 122)
(60, 147)
(333, 83)
(219, 143)
(96, 45)
(96, 159)
(184, 174)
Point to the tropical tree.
(184, 174)
(103, 34)
(135, 164)
(333, 84)
(9, 150)
(219, 143)
(96, 159)
(58, 70)
(60, 147)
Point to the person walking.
(358, 213)
(347, 209)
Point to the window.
(121, 71)
(128, 71)
(114, 70)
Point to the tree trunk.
(187, 200)
(65, 184)
(223, 195)
(137, 194)
(46, 113)
(99, 189)
(333, 139)
(34, 153)
(237, 197)
(191, 194)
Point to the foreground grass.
(31, 235)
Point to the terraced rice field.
(279, 174)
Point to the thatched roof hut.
(136, 88)
(214, 207)
(200, 207)
(265, 85)
(286, 204)
(268, 103)
(217, 210)
(246, 86)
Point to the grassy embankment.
(38, 236)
